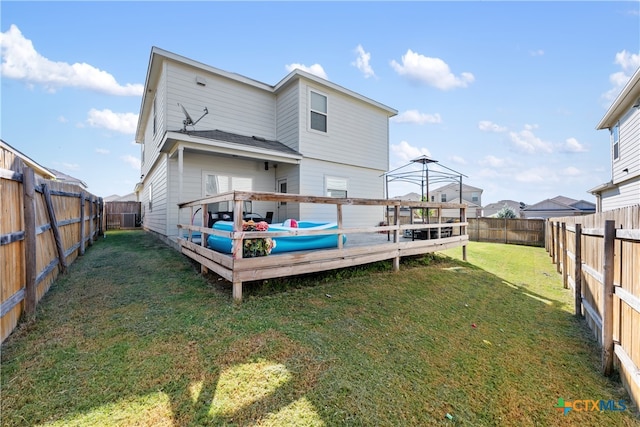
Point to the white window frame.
(155, 117)
(443, 198)
(232, 179)
(475, 197)
(615, 141)
(324, 113)
(333, 183)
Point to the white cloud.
(533, 175)
(493, 161)
(458, 160)
(406, 152)
(629, 62)
(572, 145)
(416, 117)
(102, 151)
(570, 171)
(488, 173)
(132, 161)
(119, 122)
(315, 69)
(21, 61)
(362, 62)
(528, 142)
(432, 71)
(62, 119)
(537, 52)
(487, 126)
(70, 166)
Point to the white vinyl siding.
(288, 120)
(627, 194)
(358, 132)
(155, 192)
(233, 106)
(363, 183)
(153, 139)
(628, 163)
(195, 166)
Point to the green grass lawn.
(135, 336)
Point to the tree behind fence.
(44, 226)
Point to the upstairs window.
(443, 198)
(475, 197)
(318, 108)
(615, 140)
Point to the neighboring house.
(474, 210)
(450, 193)
(63, 177)
(303, 135)
(492, 209)
(557, 207)
(131, 197)
(623, 121)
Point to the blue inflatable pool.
(283, 244)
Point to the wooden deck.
(363, 245)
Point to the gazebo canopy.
(425, 172)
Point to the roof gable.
(628, 97)
(456, 186)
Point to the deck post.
(237, 246)
(203, 235)
(396, 234)
(339, 215)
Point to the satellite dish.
(188, 121)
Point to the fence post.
(607, 298)
(29, 203)
(565, 273)
(91, 220)
(557, 247)
(578, 271)
(81, 223)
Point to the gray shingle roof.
(251, 141)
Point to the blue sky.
(508, 93)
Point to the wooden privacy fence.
(599, 259)
(119, 215)
(529, 232)
(44, 226)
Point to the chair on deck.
(269, 217)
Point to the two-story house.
(205, 131)
(450, 193)
(623, 121)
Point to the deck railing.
(380, 242)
